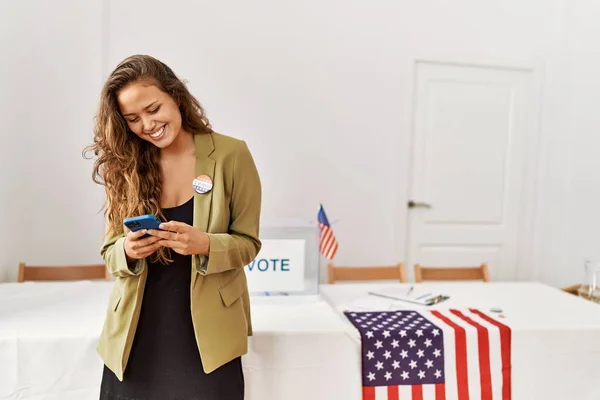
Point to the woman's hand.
(137, 248)
(182, 238)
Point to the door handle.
(414, 204)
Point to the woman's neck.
(182, 145)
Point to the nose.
(148, 124)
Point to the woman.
(178, 317)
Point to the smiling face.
(150, 113)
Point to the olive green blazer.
(220, 305)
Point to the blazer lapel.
(202, 201)
(204, 166)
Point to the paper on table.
(414, 297)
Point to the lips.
(158, 134)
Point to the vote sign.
(278, 267)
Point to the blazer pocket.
(115, 299)
(232, 290)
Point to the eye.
(154, 111)
(133, 121)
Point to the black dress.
(164, 363)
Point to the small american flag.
(434, 355)
(328, 243)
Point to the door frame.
(528, 252)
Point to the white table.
(555, 335)
(48, 334)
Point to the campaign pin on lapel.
(202, 184)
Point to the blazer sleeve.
(241, 244)
(113, 254)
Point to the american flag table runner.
(434, 355)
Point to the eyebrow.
(145, 108)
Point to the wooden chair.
(62, 273)
(573, 289)
(395, 272)
(452, 273)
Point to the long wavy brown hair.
(126, 165)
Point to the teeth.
(157, 133)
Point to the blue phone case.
(142, 222)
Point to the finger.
(141, 243)
(147, 241)
(147, 250)
(173, 244)
(151, 250)
(136, 235)
(163, 234)
(146, 254)
(155, 243)
(175, 226)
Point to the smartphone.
(142, 222)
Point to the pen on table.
(425, 295)
(410, 290)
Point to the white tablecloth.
(555, 336)
(301, 349)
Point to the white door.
(473, 131)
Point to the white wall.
(50, 77)
(321, 92)
(582, 162)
